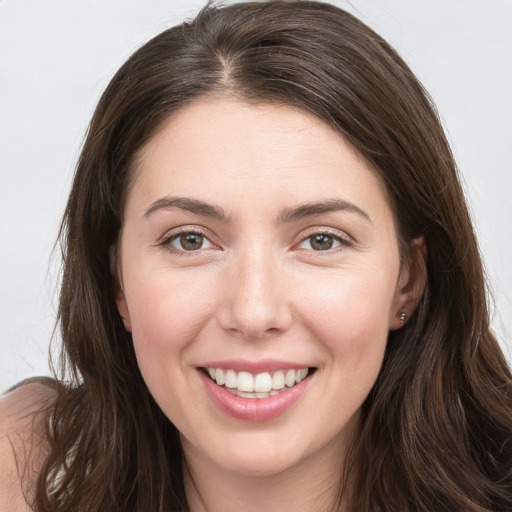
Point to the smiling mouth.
(260, 385)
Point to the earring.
(402, 317)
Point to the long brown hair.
(436, 432)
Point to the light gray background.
(56, 57)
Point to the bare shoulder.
(23, 444)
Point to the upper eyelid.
(307, 233)
(169, 234)
(335, 233)
(165, 242)
(345, 241)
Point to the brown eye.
(321, 242)
(190, 241)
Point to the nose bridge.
(256, 300)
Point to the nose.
(256, 300)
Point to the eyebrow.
(287, 215)
(318, 208)
(190, 205)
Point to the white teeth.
(301, 375)
(219, 376)
(245, 382)
(289, 379)
(231, 379)
(261, 385)
(251, 395)
(278, 380)
(246, 395)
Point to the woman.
(272, 295)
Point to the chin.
(255, 464)
(270, 452)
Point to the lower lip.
(253, 409)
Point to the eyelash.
(167, 241)
(343, 239)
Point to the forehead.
(217, 147)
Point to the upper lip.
(264, 365)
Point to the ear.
(122, 305)
(411, 284)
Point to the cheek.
(350, 316)
(166, 316)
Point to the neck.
(313, 484)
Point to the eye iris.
(191, 241)
(321, 242)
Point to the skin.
(23, 444)
(257, 289)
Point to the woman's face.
(257, 247)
